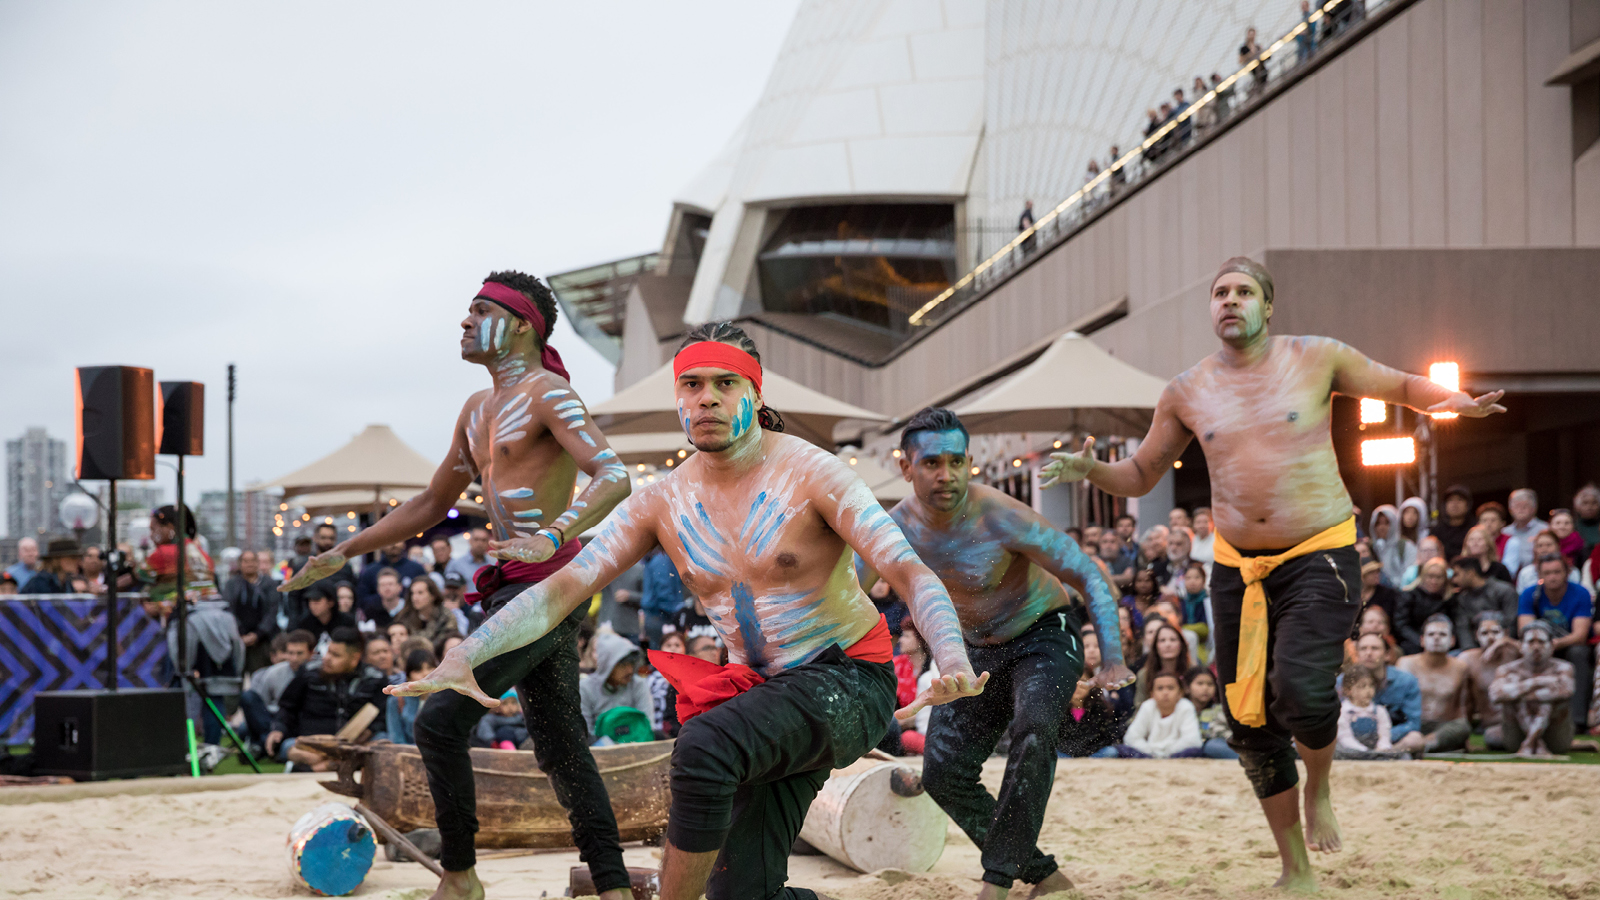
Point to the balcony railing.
(1233, 97)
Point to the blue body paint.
(551, 395)
(744, 613)
(517, 494)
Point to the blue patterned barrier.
(57, 643)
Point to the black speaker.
(93, 735)
(183, 418)
(116, 423)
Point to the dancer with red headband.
(761, 525)
(523, 440)
(1262, 409)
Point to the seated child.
(666, 726)
(502, 729)
(401, 716)
(1214, 730)
(1165, 727)
(1363, 724)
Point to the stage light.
(896, 452)
(283, 507)
(975, 470)
(1398, 451)
(1445, 374)
(640, 467)
(452, 514)
(1056, 445)
(670, 463)
(852, 460)
(1374, 412)
(349, 528)
(1177, 464)
(328, 520)
(650, 478)
(478, 499)
(682, 454)
(1016, 464)
(277, 531)
(350, 515)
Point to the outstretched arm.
(539, 609)
(409, 518)
(849, 508)
(1355, 375)
(1051, 549)
(1136, 475)
(559, 409)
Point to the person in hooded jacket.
(1392, 549)
(215, 653)
(615, 680)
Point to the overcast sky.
(313, 191)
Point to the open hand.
(317, 568)
(534, 549)
(1471, 407)
(1111, 676)
(453, 674)
(1065, 467)
(943, 690)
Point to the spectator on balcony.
(1024, 223)
(1119, 175)
(1205, 118)
(1525, 525)
(1152, 153)
(1305, 43)
(1250, 51)
(1224, 96)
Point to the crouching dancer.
(524, 439)
(1005, 565)
(761, 525)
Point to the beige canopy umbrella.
(887, 485)
(654, 448)
(650, 406)
(1073, 386)
(374, 461)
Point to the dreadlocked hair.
(535, 290)
(732, 335)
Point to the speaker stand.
(114, 567)
(205, 698)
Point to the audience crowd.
(1473, 621)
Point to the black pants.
(1312, 602)
(1031, 679)
(545, 674)
(744, 773)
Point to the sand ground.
(1121, 829)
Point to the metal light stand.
(205, 697)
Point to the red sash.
(703, 685)
(509, 571)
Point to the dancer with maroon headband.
(761, 525)
(524, 440)
(1284, 529)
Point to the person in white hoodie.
(615, 680)
(1165, 727)
(1392, 549)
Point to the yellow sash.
(1247, 694)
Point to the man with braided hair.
(1261, 407)
(524, 440)
(761, 526)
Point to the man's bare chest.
(1241, 412)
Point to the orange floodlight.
(1398, 451)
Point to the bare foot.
(993, 892)
(1297, 882)
(459, 886)
(1322, 828)
(1054, 882)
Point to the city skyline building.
(36, 481)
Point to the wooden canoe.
(517, 806)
